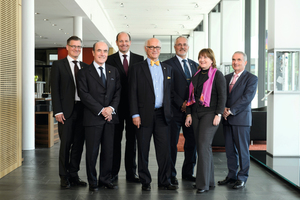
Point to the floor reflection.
(286, 167)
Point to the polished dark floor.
(38, 179)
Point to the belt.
(75, 102)
(157, 109)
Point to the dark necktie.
(76, 69)
(103, 76)
(125, 64)
(186, 71)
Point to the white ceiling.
(144, 18)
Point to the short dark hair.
(123, 32)
(73, 38)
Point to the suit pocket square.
(168, 77)
(112, 79)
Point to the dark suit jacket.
(95, 96)
(63, 87)
(114, 60)
(141, 92)
(181, 85)
(218, 95)
(239, 100)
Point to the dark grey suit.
(204, 130)
(71, 133)
(156, 122)
(123, 113)
(95, 96)
(237, 126)
(181, 94)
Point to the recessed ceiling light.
(182, 26)
(121, 4)
(53, 24)
(125, 17)
(196, 5)
(45, 19)
(41, 36)
(36, 13)
(188, 17)
(60, 29)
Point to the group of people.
(92, 103)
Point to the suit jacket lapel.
(109, 76)
(164, 70)
(146, 70)
(119, 62)
(193, 67)
(95, 74)
(179, 67)
(68, 68)
(240, 79)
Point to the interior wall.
(10, 86)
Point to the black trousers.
(160, 131)
(71, 135)
(95, 136)
(190, 154)
(130, 148)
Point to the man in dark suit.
(241, 89)
(183, 70)
(150, 96)
(123, 60)
(68, 110)
(99, 89)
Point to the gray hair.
(150, 39)
(187, 41)
(244, 55)
(97, 42)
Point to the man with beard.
(183, 70)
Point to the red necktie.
(125, 64)
(233, 82)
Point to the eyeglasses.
(180, 45)
(153, 47)
(74, 47)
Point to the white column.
(283, 130)
(28, 64)
(214, 37)
(205, 30)
(77, 30)
(231, 29)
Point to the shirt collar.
(71, 59)
(239, 74)
(121, 54)
(97, 66)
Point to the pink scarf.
(206, 91)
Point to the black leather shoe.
(65, 183)
(174, 180)
(77, 182)
(93, 188)
(146, 187)
(110, 186)
(200, 191)
(226, 181)
(168, 187)
(189, 178)
(238, 184)
(134, 178)
(114, 177)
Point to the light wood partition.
(10, 86)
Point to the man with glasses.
(68, 111)
(183, 70)
(150, 95)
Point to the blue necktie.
(103, 76)
(186, 71)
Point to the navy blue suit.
(237, 126)
(181, 94)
